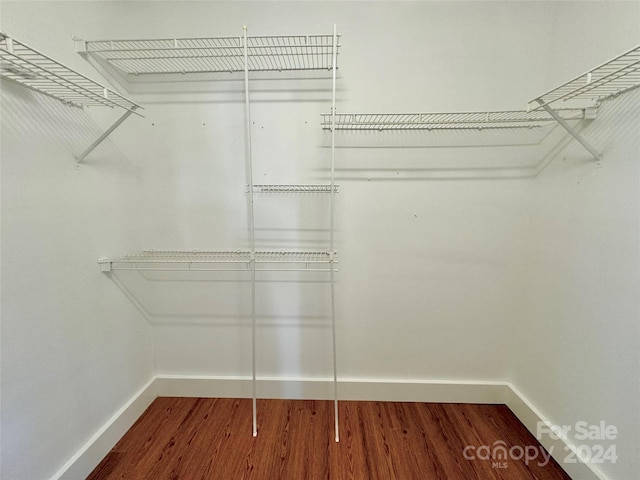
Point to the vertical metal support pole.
(254, 403)
(251, 234)
(104, 135)
(568, 128)
(331, 230)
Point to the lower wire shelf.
(240, 260)
(290, 188)
(447, 121)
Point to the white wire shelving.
(446, 121)
(214, 54)
(239, 260)
(232, 54)
(307, 188)
(35, 70)
(612, 78)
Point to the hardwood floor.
(208, 438)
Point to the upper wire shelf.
(611, 78)
(307, 188)
(221, 260)
(446, 121)
(215, 54)
(37, 71)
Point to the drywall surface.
(425, 287)
(432, 229)
(73, 348)
(577, 349)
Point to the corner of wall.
(98, 446)
(559, 449)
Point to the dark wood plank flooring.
(210, 438)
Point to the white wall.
(424, 288)
(576, 352)
(433, 282)
(73, 349)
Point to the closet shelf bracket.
(102, 137)
(569, 129)
(615, 77)
(38, 72)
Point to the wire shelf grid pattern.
(445, 121)
(221, 260)
(216, 54)
(32, 69)
(609, 79)
(309, 188)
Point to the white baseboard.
(322, 389)
(94, 450)
(97, 447)
(530, 416)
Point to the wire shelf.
(215, 54)
(32, 69)
(611, 78)
(173, 260)
(446, 121)
(294, 188)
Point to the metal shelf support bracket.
(105, 265)
(569, 129)
(102, 137)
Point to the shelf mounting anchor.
(569, 129)
(91, 147)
